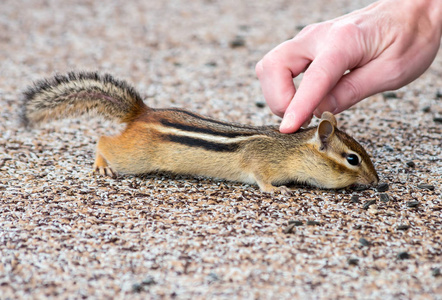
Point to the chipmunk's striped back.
(197, 131)
(79, 93)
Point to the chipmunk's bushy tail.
(80, 93)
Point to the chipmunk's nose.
(376, 180)
(370, 180)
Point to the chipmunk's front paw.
(283, 190)
(269, 188)
(101, 167)
(105, 171)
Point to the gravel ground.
(67, 233)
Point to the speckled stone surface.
(67, 233)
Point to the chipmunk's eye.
(353, 159)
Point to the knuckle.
(277, 108)
(271, 60)
(319, 74)
(344, 30)
(395, 75)
(347, 40)
(353, 90)
(314, 29)
(276, 57)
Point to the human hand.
(381, 47)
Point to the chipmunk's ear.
(326, 115)
(326, 129)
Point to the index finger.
(320, 77)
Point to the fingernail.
(287, 122)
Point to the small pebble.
(260, 104)
(237, 42)
(388, 148)
(373, 209)
(439, 93)
(410, 164)
(289, 229)
(403, 255)
(413, 203)
(384, 197)
(148, 281)
(211, 63)
(426, 186)
(426, 109)
(382, 187)
(437, 119)
(212, 277)
(364, 242)
(436, 272)
(353, 261)
(354, 199)
(389, 95)
(403, 227)
(368, 203)
(137, 288)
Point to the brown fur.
(183, 142)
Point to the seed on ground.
(403, 227)
(364, 242)
(389, 95)
(353, 261)
(313, 223)
(410, 164)
(296, 222)
(260, 104)
(360, 187)
(382, 187)
(425, 186)
(384, 197)
(368, 203)
(436, 272)
(354, 199)
(413, 203)
(403, 255)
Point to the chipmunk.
(182, 142)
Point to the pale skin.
(381, 47)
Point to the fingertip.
(258, 68)
(290, 123)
